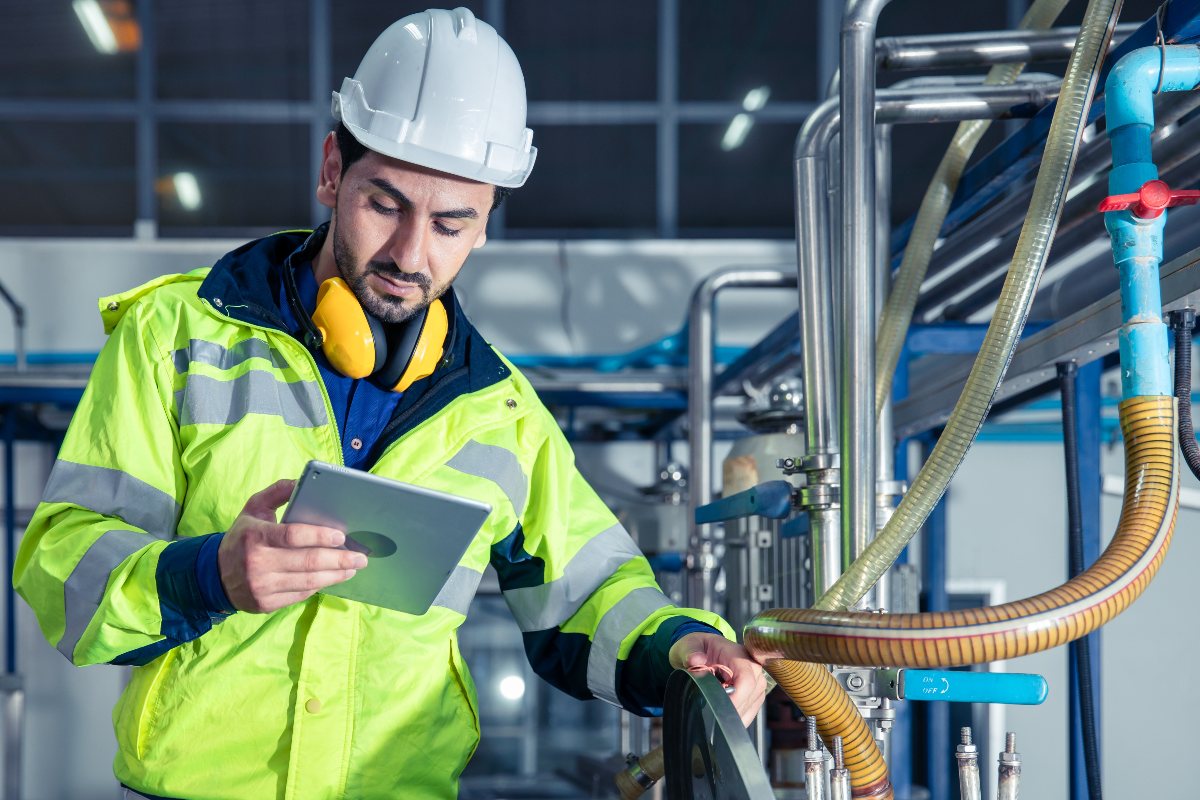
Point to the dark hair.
(352, 150)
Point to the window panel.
(593, 176)
(216, 49)
(233, 176)
(728, 49)
(48, 52)
(747, 187)
(593, 51)
(62, 177)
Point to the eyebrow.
(399, 196)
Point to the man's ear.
(330, 173)
(479, 241)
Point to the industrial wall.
(1006, 511)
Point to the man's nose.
(408, 247)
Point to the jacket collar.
(245, 285)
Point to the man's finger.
(316, 559)
(263, 504)
(297, 535)
(310, 582)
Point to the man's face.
(399, 233)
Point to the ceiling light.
(756, 98)
(95, 23)
(735, 134)
(187, 190)
(512, 687)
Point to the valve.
(1149, 201)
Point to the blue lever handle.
(771, 499)
(1016, 689)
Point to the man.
(215, 384)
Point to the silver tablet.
(413, 537)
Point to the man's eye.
(444, 231)
(382, 209)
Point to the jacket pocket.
(134, 717)
(466, 690)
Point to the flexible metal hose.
(1033, 248)
(898, 311)
(820, 696)
(1047, 620)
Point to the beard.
(384, 307)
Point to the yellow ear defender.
(359, 346)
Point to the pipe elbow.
(1131, 85)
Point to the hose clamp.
(637, 772)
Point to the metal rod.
(857, 379)
(700, 434)
(1008, 773)
(968, 767)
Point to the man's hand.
(730, 663)
(266, 566)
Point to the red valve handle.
(1150, 200)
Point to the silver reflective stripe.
(621, 620)
(84, 589)
(497, 465)
(539, 608)
(214, 355)
(206, 400)
(459, 590)
(113, 493)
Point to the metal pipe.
(18, 312)
(701, 567)
(857, 379)
(980, 48)
(895, 106)
(1002, 219)
(973, 49)
(818, 345)
(885, 467)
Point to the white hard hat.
(441, 89)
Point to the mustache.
(390, 270)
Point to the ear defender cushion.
(415, 348)
(354, 342)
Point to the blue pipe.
(1136, 242)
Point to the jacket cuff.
(642, 678)
(208, 575)
(190, 594)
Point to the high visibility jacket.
(199, 399)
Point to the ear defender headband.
(359, 346)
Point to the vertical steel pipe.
(857, 276)
(701, 367)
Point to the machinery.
(803, 556)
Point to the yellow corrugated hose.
(783, 638)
